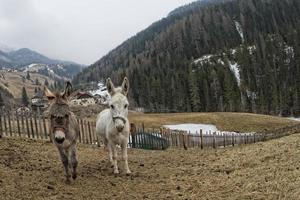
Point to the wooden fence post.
(18, 124)
(9, 124)
(214, 140)
(5, 126)
(40, 121)
(90, 133)
(31, 124)
(201, 137)
(36, 126)
(1, 130)
(45, 128)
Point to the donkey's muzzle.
(120, 128)
(59, 140)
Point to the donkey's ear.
(110, 86)
(125, 86)
(68, 90)
(49, 94)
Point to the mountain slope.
(255, 40)
(24, 58)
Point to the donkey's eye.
(112, 106)
(125, 106)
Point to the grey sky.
(77, 30)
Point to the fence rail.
(35, 126)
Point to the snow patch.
(102, 91)
(195, 128)
(294, 118)
(235, 69)
(203, 59)
(239, 30)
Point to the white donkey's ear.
(110, 86)
(49, 94)
(125, 86)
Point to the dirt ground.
(31, 170)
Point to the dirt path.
(270, 170)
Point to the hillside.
(13, 82)
(28, 60)
(220, 55)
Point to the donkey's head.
(59, 112)
(118, 103)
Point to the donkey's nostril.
(59, 140)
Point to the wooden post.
(9, 124)
(90, 133)
(31, 124)
(40, 121)
(201, 137)
(27, 125)
(5, 126)
(18, 124)
(36, 126)
(79, 136)
(82, 129)
(45, 128)
(1, 129)
(214, 140)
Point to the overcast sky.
(77, 30)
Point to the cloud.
(81, 30)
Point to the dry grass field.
(13, 82)
(240, 122)
(271, 170)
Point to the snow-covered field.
(195, 128)
(294, 118)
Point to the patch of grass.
(240, 122)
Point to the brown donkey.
(64, 128)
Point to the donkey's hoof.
(68, 182)
(128, 173)
(74, 176)
(116, 172)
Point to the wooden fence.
(35, 126)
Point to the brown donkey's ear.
(110, 86)
(68, 90)
(49, 94)
(125, 86)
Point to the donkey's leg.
(110, 154)
(125, 157)
(115, 156)
(65, 161)
(74, 162)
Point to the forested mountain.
(218, 55)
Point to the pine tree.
(24, 97)
(194, 90)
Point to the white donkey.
(112, 124)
